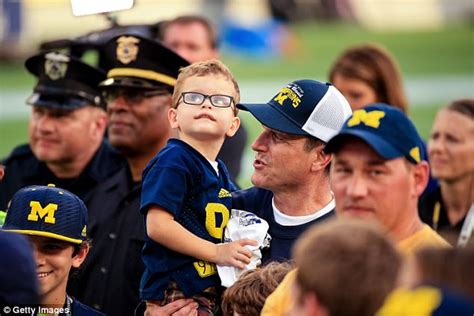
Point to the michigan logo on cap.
(370, 119)
(55, 65)
(127, 49)
(291, 92)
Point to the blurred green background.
(443, 55)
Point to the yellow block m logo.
(371, 119)
(46, 213)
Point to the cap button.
(51, 185)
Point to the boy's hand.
(234, 253)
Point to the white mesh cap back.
(328, 116)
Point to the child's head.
(247, 296)
(345, 267)
(205, 69)
(204, 102)
(55, 221)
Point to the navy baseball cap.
(137, 62)
(64, 82)
(18, 277)
(303, 107)
(384, 128)
(49, 212)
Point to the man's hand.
(234, 253)
(182, 307)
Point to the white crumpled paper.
(243, 224)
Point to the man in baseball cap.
(66, 130)
(378, 172)
(291, 166)
(55, 222)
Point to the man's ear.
(173, 117)
(81, 255)
(99, 122)
(322, 159)
(422, 174)
(234, 126)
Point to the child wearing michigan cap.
(186, 194)
(55, 222)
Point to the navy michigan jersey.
(182, 181)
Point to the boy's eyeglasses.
(131, 95)
(217, 100)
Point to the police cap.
(137, 62)
(64, 82)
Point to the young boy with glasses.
(186, 194)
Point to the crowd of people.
(128, 182)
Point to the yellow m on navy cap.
(384, 128)
(47, 211)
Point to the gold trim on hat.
(45, 234)
(141, 73)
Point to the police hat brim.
(57, 101)
(135, 83)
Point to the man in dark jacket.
(66, 131)
(138, 93)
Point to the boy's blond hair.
(247, 296)
(201, 69)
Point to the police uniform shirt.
(183, 182)
(22, 169)
(109, 278)
(259, 202)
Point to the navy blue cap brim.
(377, 143)
(272, 118)
(57, 102)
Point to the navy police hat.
(303, 107)
(64, 82)
(384, 128)
(137, 62)
(49, 212)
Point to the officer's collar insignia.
(127, 49)
(55, 65)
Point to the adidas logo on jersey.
(223, 193)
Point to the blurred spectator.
(11, 22)
(378, 172)
(66, 131)
(18, 277)
(368, 74)
(451, 152)
(444, 268)
(439, 281)
(138, 95)
(344, 268)
(195, 39)
(248, 294)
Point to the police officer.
(138, 93)
(66, 131)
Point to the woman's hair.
(376, 67)
(247, 296)
(463, 106)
